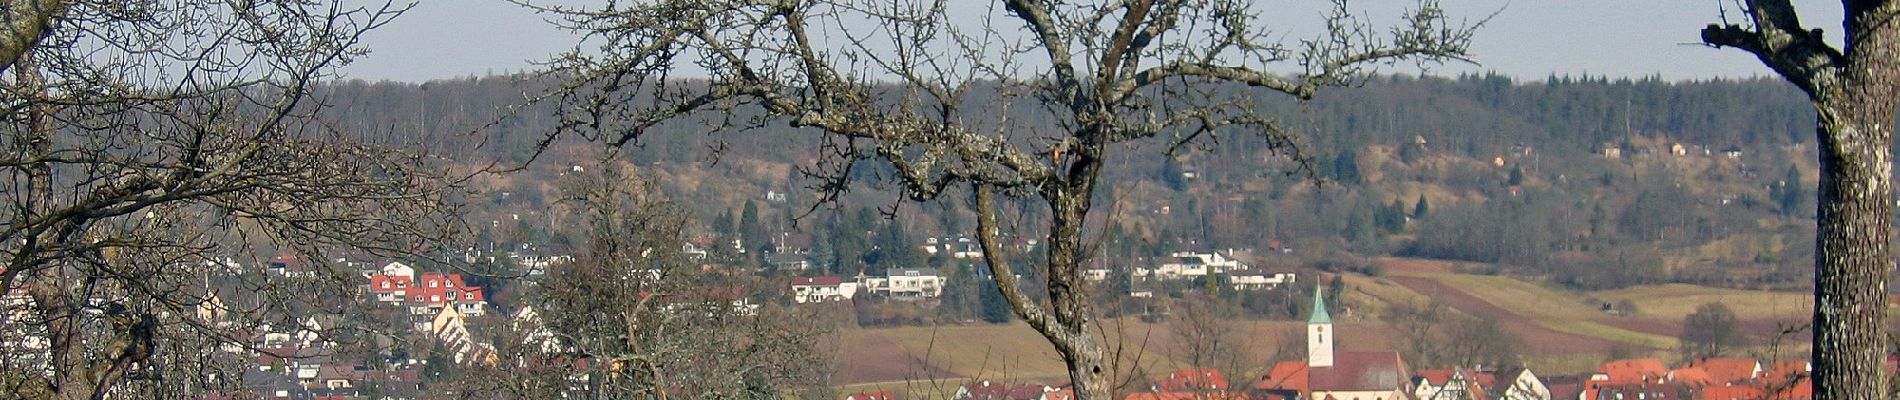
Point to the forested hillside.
(1590, 182)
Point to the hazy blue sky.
(1528, 39)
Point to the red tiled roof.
(1786, 368)
(1285, 376)
(1187, 396)
(1064, 394)
(1694, 376)
(1354, 370)
(1730, 393)
(1646, 391)
(1803, 389)
(431, 288)
(1485, 378)
(1435, 377)
(1633, 371)
(1190, 380)
(991, 390)
(1729, 370)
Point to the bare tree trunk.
(1853, 93)
(1853, 256)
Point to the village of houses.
(295, 363)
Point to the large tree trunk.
(1070, 203)
(1853, 91)
(1853, 256)
(1067, 321)
(1852, 261)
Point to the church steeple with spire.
(1319, 333)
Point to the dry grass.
(1675, 301)
(905, 359)
(1556, 310)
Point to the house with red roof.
(1204, 380)
(1188, 396)
(1729, 370)
(427, 294)
(1651, 390)
(1361, 375)
(1622, 374)
(1455, 383)
(1636, 370)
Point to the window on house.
(432, 283)
(433, 299)
(453, 295)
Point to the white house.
(955, 246)
(1521, 385)
(821, 289)
(451, 329)
(1255, 279)
(1189, 265)
(396, 269)
(913, 282)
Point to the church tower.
(1319, 334)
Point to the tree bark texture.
(1853, 92)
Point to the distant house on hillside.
(821, 289)
(1259, 279)
(787, 262)
(1190, 265)
(958, 247)
(426, 295)
(913, 283)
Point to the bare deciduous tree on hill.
(634, 316)
(143, 145)
(1025, 100)
(1852, 89)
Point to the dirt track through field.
(1535, 336)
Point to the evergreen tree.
(895, 248)
(1410, 152)
(1790, 194)
(724, 224)
(1391, 218)
(995, 307)
(948, 220)
(1346, 167)
(962, 293)
(1357, 227)
(1517, 176)
(751, 232)
(1419, 209)
(1173, 175)
(1334, 289)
